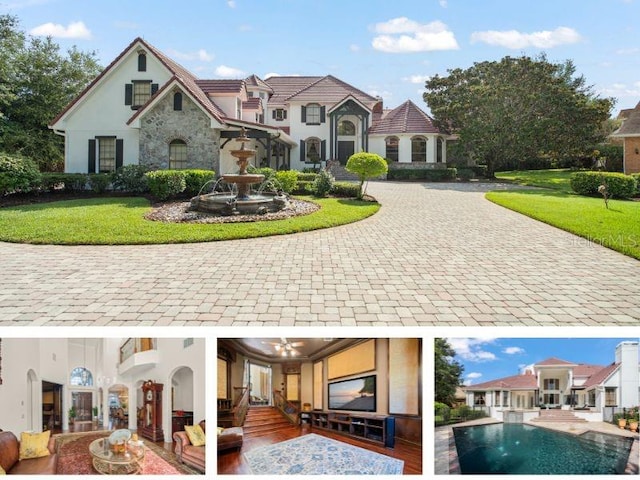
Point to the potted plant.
(94, 410)
(621, 420)
(634, 416)
(72, 415)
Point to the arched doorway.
(33, 402)
(180, 406)
(118, 401)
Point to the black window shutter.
(128, 94)
(303, 116)
(273, 114)
(284, 114)
(323, 150)
(91, 168)
(154, 88)
(142, 62)
(119, 152)
(322, 112)
(303, 150)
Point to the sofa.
(188, 453)
(10, 454)
(230, 438)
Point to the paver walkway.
(435, 254)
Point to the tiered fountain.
(241, 200)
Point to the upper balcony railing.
(136, 345)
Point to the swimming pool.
(524, 449)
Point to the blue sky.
(386, 48)
(487, 359)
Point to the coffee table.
(107, 462)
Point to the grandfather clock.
(152, 410)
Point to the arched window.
(142, 62)
(439, 150)
(391, 151)
(313, 149)
(345, 127)
(418, 149)
(177, 101)
(177, 154)
(81, 377)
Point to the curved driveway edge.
(435, 254)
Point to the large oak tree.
(518, 109)
(448, 372)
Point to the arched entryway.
(179, 408)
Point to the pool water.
(523, 449)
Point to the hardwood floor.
(232, 461)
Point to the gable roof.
(330, 90)
(220, 86)
(406, 118)
(256, 81)
(553, 361)
(252, 103)
(599, 377)
(526, 381)
(285, 86)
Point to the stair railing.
(284, 406)
(240, 405)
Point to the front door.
(345, 150)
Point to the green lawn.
(557, 179)
(119, 221)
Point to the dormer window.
(142, 62)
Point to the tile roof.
(285, 86)
(252, 103)
(330, 90)
(221, 86)
(406, 118)
(584, 370)
(553, 361)
(255, 81)
(630, 126)
(600, 376)
(526, 381)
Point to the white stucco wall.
(377, 145)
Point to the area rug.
(316, 455)
(74, 457)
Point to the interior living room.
(102, 405)
(327, 406)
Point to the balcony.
(138, 355)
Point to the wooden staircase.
(556, 415)
(263, 420)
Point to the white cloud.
(470, 349)
(470, 377)
(443, 3)
(523, 368)
(231, 3)
(55, 30)
(378, 92)
(621, 90)
(417, 79)
(229, 72)
(402, 35)
(517, 40)
(354, 48)
(513, 350)
(201, 55)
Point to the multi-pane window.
(479, 398)
(610, 397)
(106, 154)
(391, 151)
(313, 113)
(313, 150)
(177, 154)
(418, 149)
(551, 384)
(141, 92)
(551, 398)
(280, 114)
(177, 101)
(345, 127)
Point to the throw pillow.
(195, 434)
(34, 445)
(220, 430)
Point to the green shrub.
(286, 180)
(637, 177)
(69, 182)
(195, 180)
(303, 188)
(164, 184)
(99, 182)
(323, 184)
(268, 173)
(17, 174)
(345, 189)
(442, 412)
(618, 184)
(307, 176)
(480, 171)
(465, 174)
(428, 174)
(366, 166)
(130, 178)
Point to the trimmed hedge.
(637, 177)
(465, 174)
(17, 174)
(164, 184)
(130, 178)
(428, 174)
(195, 180)
(345, 189)
(99, 182)
(307, 176)
(69, 182)
(287, 180)
(303, 188)
(618, 184)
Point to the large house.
(629, 133)
(145, 108)
(592, 392)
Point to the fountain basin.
(229, 204)
(245, 178)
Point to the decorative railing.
(290, 410)
(240, 405)
(136, 345)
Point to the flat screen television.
(357, 394)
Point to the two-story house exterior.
(145, 108)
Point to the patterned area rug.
(74, 457)
(316, 455)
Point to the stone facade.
(162, 124)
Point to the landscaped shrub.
(268, 173)
(164, 184)
(69, 182)
(99, 182)
(637, 177)
(17, 174)
(480, 171)
(195, 180)
(286, 180)
(428, 174)
(442, 412)
(345, 189)
(366, 166)
(618, 184)
(465, 174)
(323, 183)
(130, 178)
(303, 188)
(307, 176)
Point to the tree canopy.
(36, 82)
(448, 372)
(518, 109)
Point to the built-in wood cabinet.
(179, 420)
(374, 428)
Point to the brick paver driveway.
(435, 254)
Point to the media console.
(374, 428)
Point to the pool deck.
(446, 455)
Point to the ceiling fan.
(285, 348)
